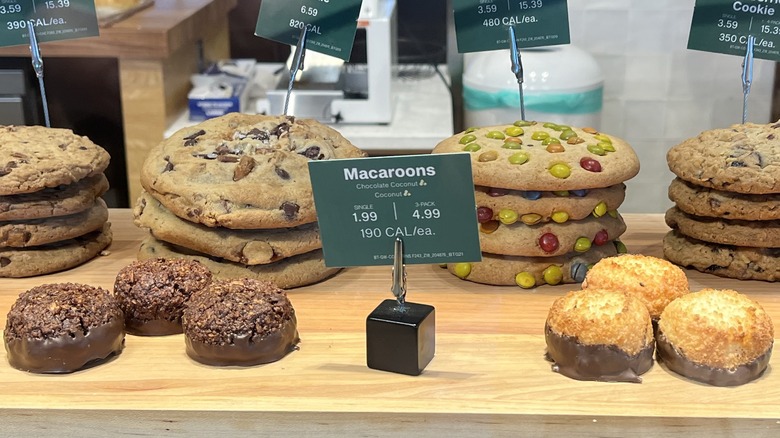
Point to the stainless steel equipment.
(348, 92)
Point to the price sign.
(53, 20)
(364, 204)
(483, 25)
(723, 26)
(330, 24)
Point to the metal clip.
(747, 75)
(297, 65)
(399, 272)
(37, 63)
(517, 67)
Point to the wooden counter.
(488, 377)
(158, 49)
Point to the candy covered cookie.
(250, 247)
(549, 239)
(743, 158)
(33, 158)
(705, 201)
(762, 234)
(529, 272)
(532, 207)
(242, 171)
(543, 156)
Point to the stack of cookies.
(547, 198)
(727, 194)
(51, 214)
(234, 193)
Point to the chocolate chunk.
(62, 146)
(192, 139)
(245, 165)
(227, 158)
(4, 171)
(770, 137)
(168, 165)
(280, 130)
(282, 173)
(20, 155)
(290, 209)
(4, 261)
(313, 153)
(738, 164)
(714, 203)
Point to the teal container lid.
(585, 102)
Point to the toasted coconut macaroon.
(655, 282)
(718, 337)
(599, 335)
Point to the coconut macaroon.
(656, 282)
(599, 335)
(719, 337)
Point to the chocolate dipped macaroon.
(718, 337)
(599, 335)
(240, 322)
(61, 328)
(152, 293)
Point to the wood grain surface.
(488, 377)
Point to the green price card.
(723, 26)
(52, 20)
(483, 25)
(331, 24)
(427, 201)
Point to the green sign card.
(427, 201)
(53, 20)
(331, 24)
(723, 26)
(483, 25)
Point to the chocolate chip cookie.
(761, 234)
(33, 158)
(743, 159)
(249, 247)
(549, 239)
(34, 232)
(534, 207)
(242, 171)
(287, 273)
(704, 201)
(543, 156)
(729, 261)
(55, 257)
(528, 272)
(56, 201)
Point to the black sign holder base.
(400, 336)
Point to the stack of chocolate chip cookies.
(234, 193)
(727, 194)
(547, 198)
(51, 215)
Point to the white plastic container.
(562, 84)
